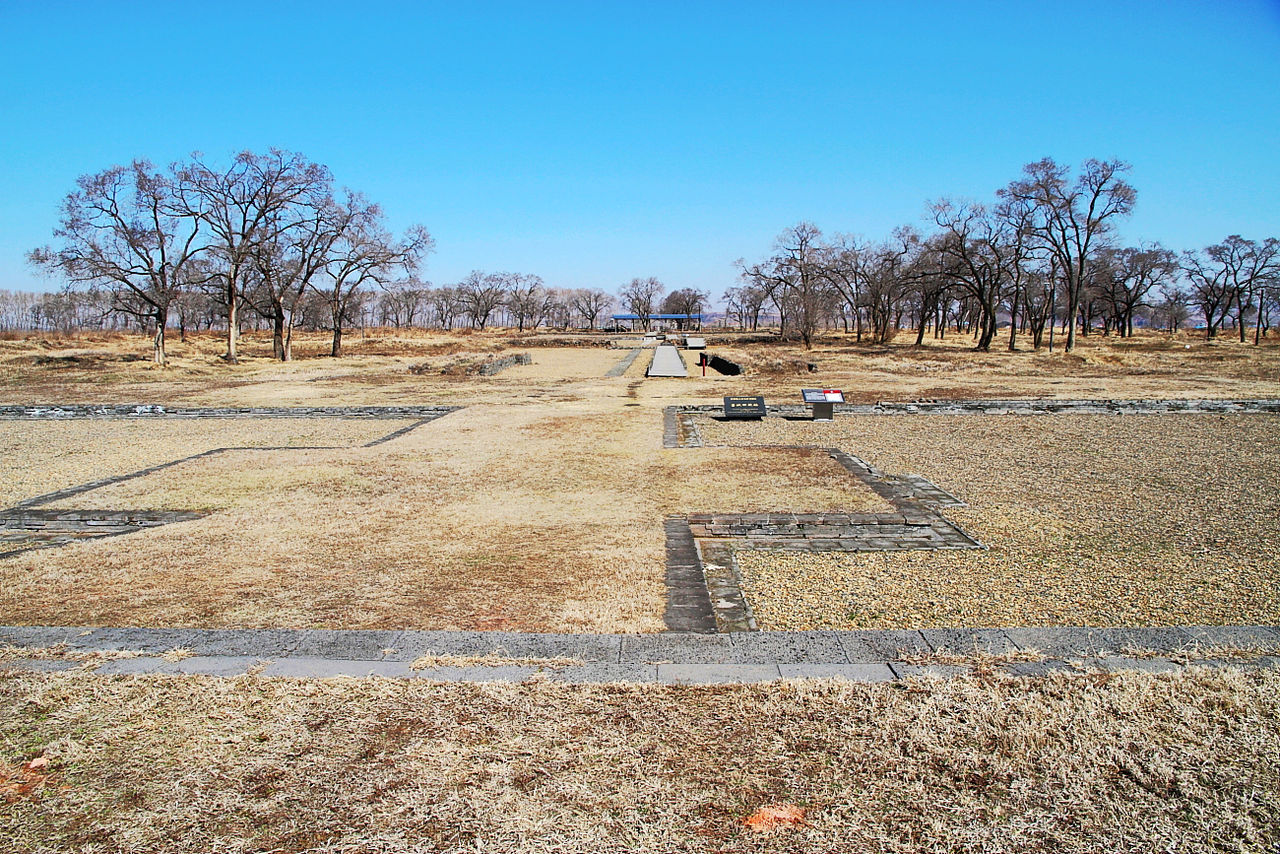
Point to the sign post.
(823, 401)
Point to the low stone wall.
(496, 366)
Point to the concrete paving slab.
(966, 641)
(928, 671)
(817, 647)
(411, 645)
(598, 673)
(131, 666)
(1036, 668)
(1054, 640)
(263, 643)
(716, 674)
(38, 637)
(667, 362)
(43, 665)
(683, 648)
(1119, 663)
(340, 644)
(885, 645)
(327, 668)
(1239, 637)
(869, 672)
(133, 639)
(479, 674)
(218, 665)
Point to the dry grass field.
(376, 369)
(494, 517)
(539, 506)
(1094, 762)
(1091, 520)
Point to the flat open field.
(378, 370)
(1095, 520)
(530, 517)
(540, 505)
(1131, 762)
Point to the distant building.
(680, 322)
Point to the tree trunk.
(233, 329)
(158, 352)
(277, 334)
(336, 350)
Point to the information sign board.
(744, 407)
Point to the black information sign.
(822, 395)
(744, 407)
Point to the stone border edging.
(668, 658)
(150, 410)
(1029, 406)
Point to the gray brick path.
(667, 658)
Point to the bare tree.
(363, 253)
(245, 206)
(1127, 276)
(639, 295)
(479, 295)
(686, 301)
(525, 298)
(794, 278)
(123, 231)
(1072, 217)
(590, 303)
(1212, 289)
(983, 249)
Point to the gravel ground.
(1090, 520)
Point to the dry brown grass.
(1096, 762)
(107, 368)
(532, 517)
(1091, 520)
(44, 456)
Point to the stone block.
(966, 641)
(866, 672)
(883, 645)
(260, 643)
(716, 674)
(357, 645)
(679, 647)
(817, 647)
(327, 668)
(1238, 637)
(134, 639)
(928, 671)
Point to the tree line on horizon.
(268, 242)
(1043, 252)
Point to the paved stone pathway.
(675, 657)
(621, 368)
(1030, 406)
(667, 362)
(152, 410)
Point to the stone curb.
(667, 658)
(1030, 406)
(150, 410)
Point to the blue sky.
(593, 142)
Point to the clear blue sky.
(590, 143)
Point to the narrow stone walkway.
(667, 362)
(668, 658)
(622, 366)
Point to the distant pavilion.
(682, 322)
